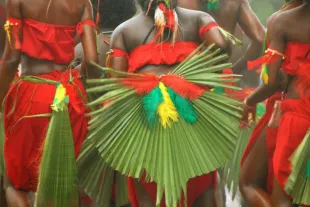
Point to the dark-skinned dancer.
(40, 35)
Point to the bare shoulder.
(281, 22)
(130, 25)
(194, 15)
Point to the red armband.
(12, 25)
(115, 53)
(207, 28)
(79, 26)
(270, 57)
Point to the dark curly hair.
(145, 4)
(114, 12)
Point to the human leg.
(254, 173)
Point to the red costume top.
(160, 53)
(164, 54)
(47, 41)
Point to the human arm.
(12, 55)
(88, 39)
(253, 28)
(212, 34)
(119, 63)
(277, 43)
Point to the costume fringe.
(298, 183)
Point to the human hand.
(248, 114)
(16, 198)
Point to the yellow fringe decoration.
(60, 99)
(230, 37)
(166, 110)
(7, 30)
(265, 78)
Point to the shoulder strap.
(148, 35)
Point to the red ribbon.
(79, 26)
(169, 13)
(268, 58)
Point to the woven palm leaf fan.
(168, 128)
(298, 183)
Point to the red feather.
(182, 87)
(142, 84)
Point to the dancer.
(264, 138)
(229, 14)
(290, 51)
(112, 13)
(45, 108)
(151, 54)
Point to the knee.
(243, 183)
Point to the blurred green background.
(264, 8)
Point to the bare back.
(188, 21)
(59, 12)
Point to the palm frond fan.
(298, 183)
(232, 169)
(168, 128)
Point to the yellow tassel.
(230, 37)
(265, 78)
(166, 110)
(8, 33)
(60, 98)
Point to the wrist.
(247, 104)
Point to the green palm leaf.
(232, 169)
(58, 184)
(298, 183)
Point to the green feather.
(213, 5)
(151, 102)
(219, 90)
(184, 107)
(261, 110)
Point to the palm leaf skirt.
(163, 130)
(298, 183)
(232, 169)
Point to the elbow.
(259, 37)
(13, 62)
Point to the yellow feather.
(60, 98)
(166, 110)
(265, 78)
(8, 33)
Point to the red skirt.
(195, 188)
(271, 134)
(25, 136)
(293, 127)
